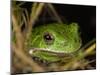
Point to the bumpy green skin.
(65, 39)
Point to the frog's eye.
(48, 38)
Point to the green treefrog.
(52, 42)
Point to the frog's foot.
(40, 61)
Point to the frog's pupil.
(48, 38)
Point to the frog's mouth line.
(60, 54)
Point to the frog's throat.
(53, 52)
